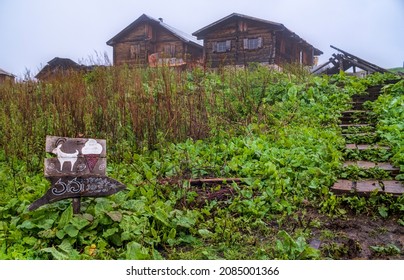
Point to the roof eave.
(123, 32)
(201, 32)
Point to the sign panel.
(75, 156)
(76, 167)
(78, 170)
(72, 187)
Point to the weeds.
(277, 131)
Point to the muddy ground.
(357, 237)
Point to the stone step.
(386, 166)
(366, 187)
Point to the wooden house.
(148, 41)
(59, 67)
(239, 39)
(5, 76)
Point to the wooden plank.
(194, 182)
(82, 166)
(370, 147)
(366, 187)
(387, 166)
(343, 186)
(393, 187)
(74, 187)
(350, 146)
(347, 125)
(75, 147)
(369, 164)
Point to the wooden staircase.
(358, 129)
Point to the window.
(242, 26)
(169, 50)
(222, 46)
(252, 43)
(134, 51)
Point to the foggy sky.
(35, 31)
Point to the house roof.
(145, 18)
(63, 63)
(58, 64)
(201, 33)
(2, 72)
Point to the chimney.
(160, 19)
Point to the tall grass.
(133, 108)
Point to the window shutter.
(214, 47)
(228, 45)
(172, 50)
(259, 42)
(245, 41)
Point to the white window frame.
(222, 46)
(252, 43)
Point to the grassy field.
(278, 132)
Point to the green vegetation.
(277, 131)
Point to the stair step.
(347, 125)
(357, 105)
(362, 147)
(386, 166)
(366, 187)
(364, 138)
(359, 134)
(356, 116)
(350, 112)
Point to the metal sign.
(77, 171)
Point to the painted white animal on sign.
(63, 157)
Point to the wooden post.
(76, 205)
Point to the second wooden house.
(151, 42)
(239, 40)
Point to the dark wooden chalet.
(239, 39)
(5, 76)
(59, 67)
(148, 41)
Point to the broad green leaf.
(109, 232)
(161, 215)
(60, 234)
(383, 211)
(135, 251)
(56, 254)
(27, 225)
(71, 230)
(45, 224)
(65, 218)
(30, 240)
(205, 233)
(79, 222)
(172, 234)
(116, 216)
